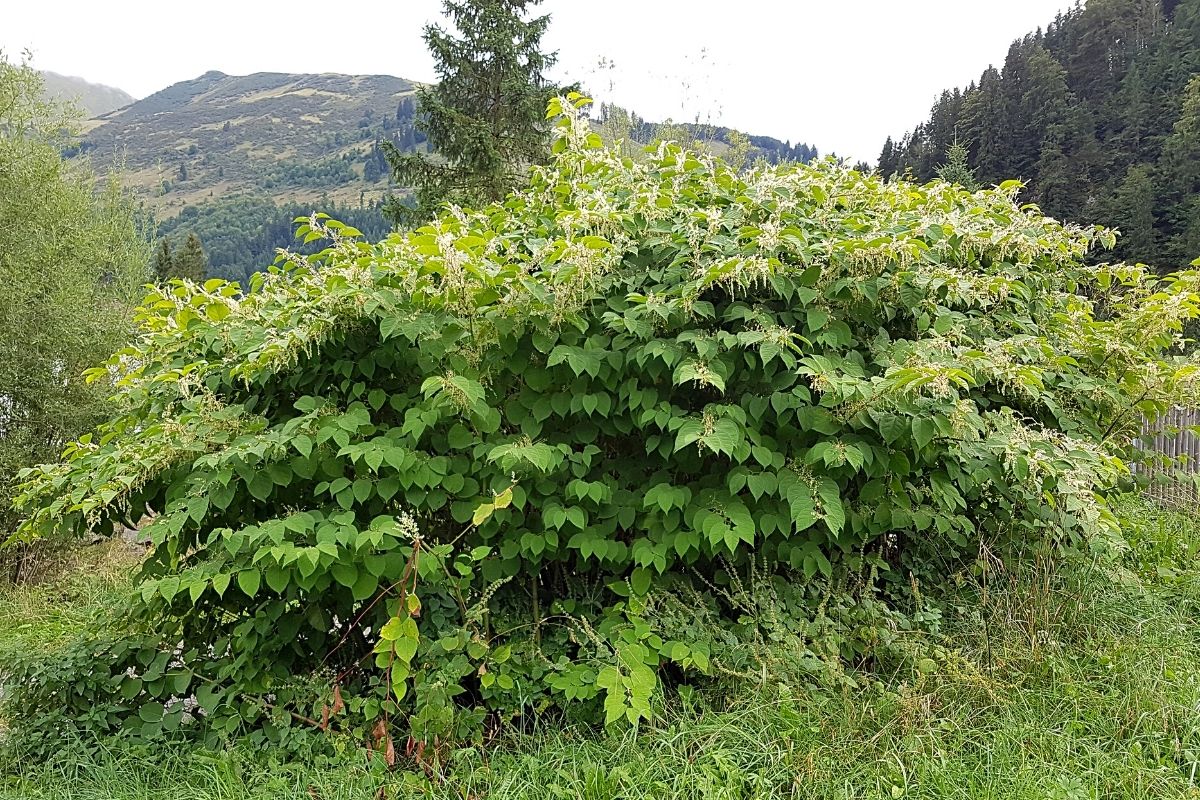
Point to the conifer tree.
(888, 159)
(1180, 176)
(484, 119)
(163, 261)
(985, 125)
(1044, 103)
(190, 261)
(1020, 143)
(956, 169)
(940, 132)
(1133, 214)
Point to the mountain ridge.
(291, 136)
(94, 99)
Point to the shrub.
(447, 474)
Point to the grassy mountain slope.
(93, 98)
(290, 137)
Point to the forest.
(608, 459)
(241, 234)
(1099, 114)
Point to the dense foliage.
(531, 456)
(72, 261)
(484, 116)
(1099, 113)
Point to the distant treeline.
(241, 234)
(768, 148)
(1099, 114)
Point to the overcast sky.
(840, 75)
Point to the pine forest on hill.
(1099, 113)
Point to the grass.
(70, 590)
(1081, 682)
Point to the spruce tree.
(956, 169)
(1180, 178)
(484, 119)
(190, 261)
(1045, 101)
(1021, 143)
(1055, 187)
(985, 125)
(1133, 215)
(1069, 157)
(163, 261)
(940, 133)
(888, 158)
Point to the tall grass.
(1062, 682)
(74, 589)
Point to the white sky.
(840, 75)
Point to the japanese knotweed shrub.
(446, 475)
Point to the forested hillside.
(617, 122)
(234, 159)
(242, 233)
(1099, 113)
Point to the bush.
(446, 476)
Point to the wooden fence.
(1169, 437)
